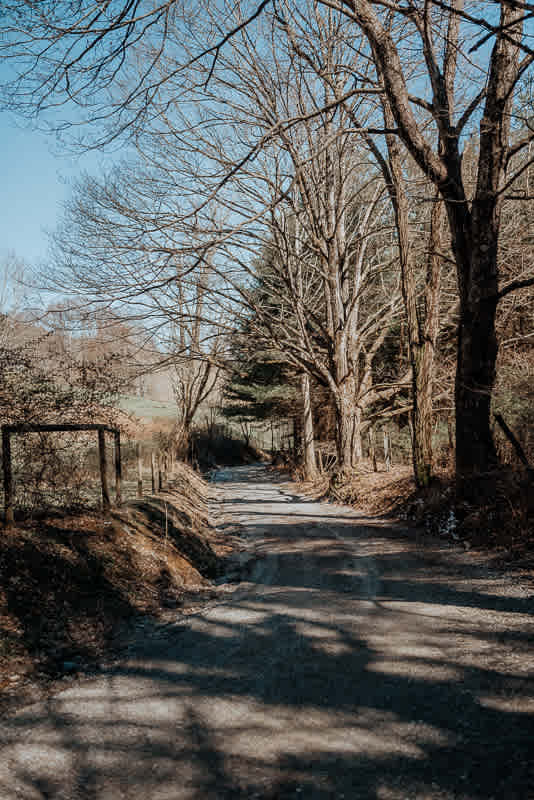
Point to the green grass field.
(147, 409)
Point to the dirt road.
(349, 662)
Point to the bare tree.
(445, 34)
(198, 358)
(422, 318)
(328, 227)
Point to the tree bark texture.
(423, 357)
(348, 428)
(309, 462)
(422, 326)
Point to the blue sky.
(34, 182)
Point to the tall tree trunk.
(422, 332)
(357, 444)
(424, 355)
(478, 276)
(475, 239)
(348, 428)
(475, 376)
(182, 440)
(308, 441)
(477, 356)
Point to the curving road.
(349, 661)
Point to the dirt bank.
(72, 586)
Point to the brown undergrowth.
(495, 513)
(375, 493)
(71, 586)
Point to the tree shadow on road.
(332, 676)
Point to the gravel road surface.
(348, 661)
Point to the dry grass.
(495, 514)
(375, 493)
(71, 585)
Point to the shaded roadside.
(71, 586)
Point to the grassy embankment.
(71, 586)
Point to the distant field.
(147, 409)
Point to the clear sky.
(34, 180)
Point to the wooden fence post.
(153, 471)
(387, 451)
(8, 478)
(106, 504)
(160, 481)
(139, 471)
(118, 469)
(372, 450)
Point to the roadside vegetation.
(73, 586)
